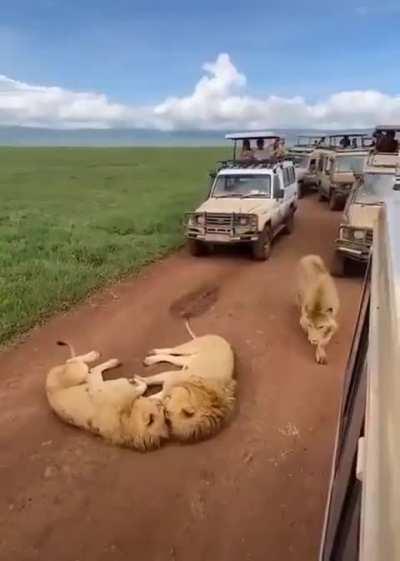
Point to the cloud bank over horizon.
(220, 101)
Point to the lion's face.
(320, 330)
(148, 424)
(194, 411)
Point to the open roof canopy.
(387, 128)
(251, 135)
(350, 134)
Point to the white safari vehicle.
(250, 202)
(379, 181)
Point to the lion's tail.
(70, 347)
(189, 329)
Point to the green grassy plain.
(73, 219)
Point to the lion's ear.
(149, 420)
(188, 411)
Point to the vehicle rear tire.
(197, 248)
(261, 249)
(335, 202)
(289, 224)
(338, 265)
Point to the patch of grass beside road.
(73, 219)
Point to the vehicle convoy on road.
(380, 178)
(250, 201)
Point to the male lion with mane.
(198, 398)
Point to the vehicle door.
(329, 168)
(290, 187)
(319, 168)
(277, 215)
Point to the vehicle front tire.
(196, 248)
(261, 249)
(335, 202)
(338, 265)
(289, 224)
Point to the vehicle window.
(350, 163)
(277, 185)
(328, 165)
(245, 185)
(313, 164)
(286, 178)
(292, 175)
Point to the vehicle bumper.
(352, 251)
(340, 192)
(310, 181)
(225, 239)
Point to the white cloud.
(219, 101)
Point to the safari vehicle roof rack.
(271, 164)
(252, 164)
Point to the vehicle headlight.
(247, 220)
(359, 234)
(345, 234)
(200, 220)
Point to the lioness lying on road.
(113, 409)
(199, 397)
(319, 303)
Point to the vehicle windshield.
(350, 163)
(375, 187)
(242, 186)
(299, 160)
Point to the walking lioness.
(319, 303)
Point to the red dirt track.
(255, 492)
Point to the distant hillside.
(24, 136)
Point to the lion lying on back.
(113, 409)
(319, 303)
(199, 397)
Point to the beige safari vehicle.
(250, 202)
(305, 163)
(380, 179)
(339, 168)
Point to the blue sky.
(139, 53)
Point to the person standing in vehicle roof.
(345, 142)
(388, 143)
(262, 153)
(246, 152)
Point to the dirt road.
(255, 492)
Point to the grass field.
(73, 219)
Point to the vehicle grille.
(219, 219)
(369, 237)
